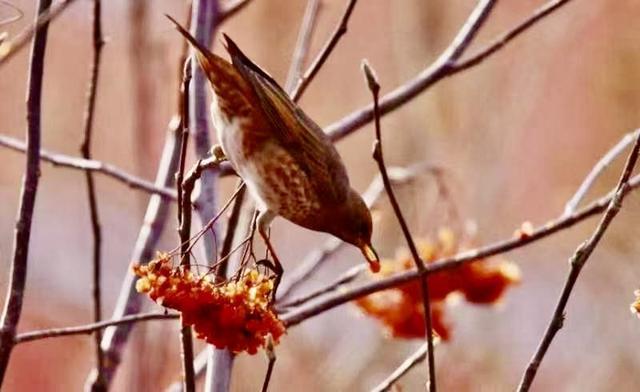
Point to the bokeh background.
(518, 133)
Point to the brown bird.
(288, 163)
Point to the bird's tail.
(212, 65)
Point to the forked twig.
(319, 61)
(576, 262)
(598, 169)
(446, 65)
(11, 47)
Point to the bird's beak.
(371, 256)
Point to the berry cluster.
(234, 315)
(401, 308)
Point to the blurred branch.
(11, 47)
(85, 149)
(447, 64)
(129, 301)
(298, 315)
(16, 286)
(205, 17)
(91, 328)
(598, 169)
(378, 156)
(230, 7)
(93, 166)
(19, 14)
(576, 262)
(301, 50)
(418, 356)
(319, 61)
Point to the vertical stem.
(85, 149)
(184, 229)
(13, 305)
(424, 282)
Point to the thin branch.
(303, 313)
(598, 169)
(184, 227)
(16, 287)
(309, 266)
(346, 277)
(9, 48)
(444, 66)
(378, 156)
(155, 219)
(576, 262)
(85, 149)
(501, 41)
(418, 356)
(301, 50)
(91, 328)
(18, 15)
(319, 61)
(92, 166)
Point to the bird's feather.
(292, 128)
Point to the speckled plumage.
(290, 166)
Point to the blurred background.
(517, 133)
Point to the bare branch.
(16, 287)
(91, 328)
(301, 50)
(11, 47)
(443, 67)
(498, 43)
(155, 219)
(576, 262)
(92, 166)
(378, 156)
(319, 61)
(598, 169)
(85, 149)
(298, 315)
(184, 225)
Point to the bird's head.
(356, 228)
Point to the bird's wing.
(300, 135)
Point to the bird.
(288, 163)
